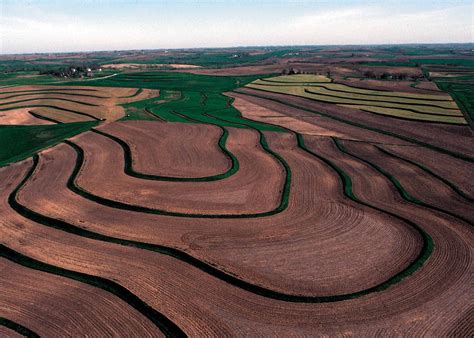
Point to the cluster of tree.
(72, 71)
(390, 76)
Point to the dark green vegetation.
(129, 170)
(185, 257)
(20, 142)
(184, 95)
(462, 91)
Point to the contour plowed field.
(174, 149)
(257, 214)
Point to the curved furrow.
(454, 154)
(150, 113)
(419, 119)
(49, 89)
(55, 306)
(347, 184)
(52, 92)
(453, 170)
(428, 171)
(321, 85)
(401, 190)
(49, 99)
(281, 203)
(18, 328)
(41, 117)
(373, 103)
(129, 170)
(63, 226)
(162, 322)
(55, 107)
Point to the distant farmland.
(231, 200)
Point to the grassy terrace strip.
(139, 90)
(370, 100)
(50, 98)
(427, 248)
(285, 84)
(18, 328)
(20, 142)
(403, 193)
(128, 168)
(40, 91)
(131, 207)
(53, 92)
(408, 114)
(461, 156)
(162, 322)
(54, 107)
(338, 100)
(429, 172)
(41, 117)
(208, 268)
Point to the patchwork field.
(201, 203)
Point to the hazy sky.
(71, 25)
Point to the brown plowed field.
(402, 86)
(60, 115)
(457, 171)
(103, 102)
(50, 305)
(415, 181)
(173, 149)
(304, 239)
(255, 188)
(20, 116)
(258, 249)
(201, 305)
(338, 128)
(451, 137)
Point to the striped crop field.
(418, 107)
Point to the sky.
(87, 25)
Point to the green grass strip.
(363, 126)
(141, 209)
(20, 142)
(18, 328)
(53, 92)
(139, 90)
(41, 117)
(53, 107)
(396, 183)
(201, 265)
(128, 167)
(50, 98)
(162, 322)
(451, 185)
